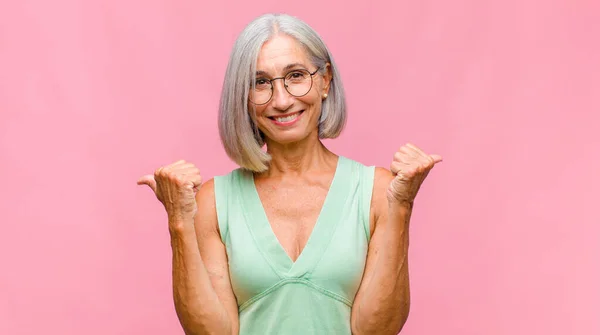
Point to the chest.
(312, 233)
(293, 210)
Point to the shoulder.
(214, 193)
(206, 193)
(211, 189)
(219, 183)
(211, 193)
(383, 178)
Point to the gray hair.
(239, 134)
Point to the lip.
(272, 118)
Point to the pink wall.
(505, 237)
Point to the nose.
(281, 99)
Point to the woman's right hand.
(175, 185)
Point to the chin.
(288, 137)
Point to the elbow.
(379, 323)
(203, 324)
(205, 329)
(402, 318)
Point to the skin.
(292, 192)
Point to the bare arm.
(204, 299)
(382, 303)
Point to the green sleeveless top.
(314, 294)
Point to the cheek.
(255, 113)
(313, 100)
(318, 86)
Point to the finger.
(179, 162)
(412, 161)
(417, 150)
(148, 180)
(396, 167)
(175, 167)
(188, 173)
(425, 161)
(196, 181)
(187, 169)
(402, 157)
(418, 158)
(405, 156)
(159, 172)
(408, 151)
(432, 159)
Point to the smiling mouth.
(286, 118)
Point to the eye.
(296, 76)
(262, 83)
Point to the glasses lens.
(261, 92)
(298, 82)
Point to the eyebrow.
(286, 68)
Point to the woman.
(298, 240)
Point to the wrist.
(180, 225)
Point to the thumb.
(148, 180)
(436, 158)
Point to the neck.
(299, 157)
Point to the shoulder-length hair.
(240, 136)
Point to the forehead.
(280, 51)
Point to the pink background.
(505, 236)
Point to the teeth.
(287, 118)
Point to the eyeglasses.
(297, 83)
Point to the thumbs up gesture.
(411, 166)
(175, 186)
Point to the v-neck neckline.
(320, 235)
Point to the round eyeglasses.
(297, 83)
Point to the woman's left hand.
(411, 166)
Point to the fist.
(175, 187)
(411, 166)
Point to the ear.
(327, 77)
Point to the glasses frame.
(286, 86)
